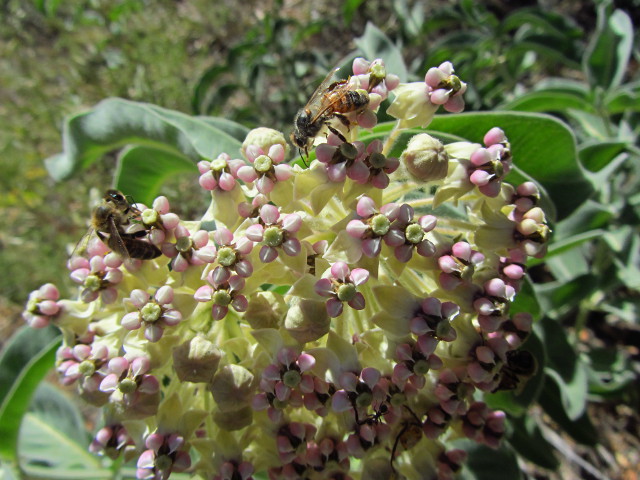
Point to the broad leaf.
(142, 170)
(115, 123)
(46, 451)
(484, 463)
(25, 361)
(548, 101)
(597, 155)
(565, 368)
(529, 442)
(605, 62)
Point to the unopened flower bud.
(232, 388)
(235, 421)
(307, 320)
(264, 138)
(263, 311)
(196, 360)
(425, 158)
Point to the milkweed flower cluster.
(331, 316)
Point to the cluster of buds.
(331, 315)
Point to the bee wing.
(81, 246)
(317, 95)
(115, 240)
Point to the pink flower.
(219, 174)
(374, 226)
(343, 159)
(445, 88)
(42, 306)
(112, 441)
(189, 250)
(224, 291)
(96, 278)
(165, 454)
(413, 234)
(432, 320)
(276, 233)
(285, 382)
(340, 287)
(155, 314)
(266, 168)
(231, 253)
(158, 220)
(459, 265)
(492, 305)
(129, 376)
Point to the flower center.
(421, 367)
(93, 282)
(226, 256)
(414, 233)
(163, 463)
(291, 379)
(149, 217)
(127, 386)
(380, 224)
(364, 399)
(273, 236)
(184, 244)
(377, 160)
(221, 297)
(218, 165)
(87, 368)
(151, 312)
(346, 292)
(262, 164)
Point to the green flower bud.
(264, 311)
(196, 360)
(307, 320)
(264, 138)
(425, 158)
(232, 388)
(234, 421)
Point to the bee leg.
(343, 119)
(337, 133)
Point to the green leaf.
(25, 361)
(596, 155)
(580, 429)
(142, 170)
(565, 368)
(526, 300)
(484, 463)
(548, 101)
(235, 129)
(590, 216)
(56, 408)
(528, 441)
(115, 123)
(605, 61)
(349, 7)
(375, 44)
(610, 372)
(46, 451)
(542, 146)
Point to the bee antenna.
(302, 158)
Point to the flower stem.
(392, 138)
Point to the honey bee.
(518, 369)
(330, 100)
(110, 219)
